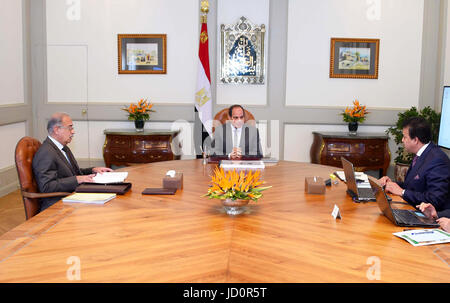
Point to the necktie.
(414, 161)
(72, 160)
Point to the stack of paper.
(241, 165)
(358, 175)
(422, 237)
(110, 177)
(92, 198)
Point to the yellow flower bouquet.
(233, 185)
(357, 113)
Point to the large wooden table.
(287, 236)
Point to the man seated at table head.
(236, 138)
(442, 217)
(428, 177)
(54, 166)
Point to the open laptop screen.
(349, 175)
(382, 201)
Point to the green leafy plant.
(396, 131)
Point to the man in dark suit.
(236, 138)
(428, 177)
(54, 166)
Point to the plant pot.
(400, 170)
(234, 207)
(139, 125)
(352, 128)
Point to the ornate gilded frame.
(346, 66)
(154, 42)
(242, 53)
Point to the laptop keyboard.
(405, 216)
(365, 193)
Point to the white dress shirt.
(60, 146)
(239, 132)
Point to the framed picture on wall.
(354, 58)
(242, 53)
(142, 53)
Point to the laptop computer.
(359, 191)
(400, 217)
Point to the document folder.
(116, 188)
(159, 191)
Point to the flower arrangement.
(355, 114)
(139, 111)
(233, 185)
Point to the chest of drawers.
(367, 151)
(123, 147)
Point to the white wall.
(229, 12)
(10, 134)
(11, 76)
(11, 52)
(83, 57)
(398, 25)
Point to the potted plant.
(235, 189)
(403, 158)
(354, 115)
(139, 113)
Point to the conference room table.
(287, 236)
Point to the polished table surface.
(287, 236)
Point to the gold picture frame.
(354, 58)
(142, 53)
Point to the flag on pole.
(203, 101)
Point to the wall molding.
(9, 180)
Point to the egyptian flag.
(203, 102)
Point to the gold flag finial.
(204, 8)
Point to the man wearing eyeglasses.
(54, 166)
(236, 138)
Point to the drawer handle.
(374, 160)
(155, 157)
(374, 146)
(119, 157)
(119, 142)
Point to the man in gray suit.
(54, 166)
(236, 138)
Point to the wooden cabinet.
(367, 151)
(123, 147)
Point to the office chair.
(25, 150)
(222, 117)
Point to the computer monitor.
(444, 129)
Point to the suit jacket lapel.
(61, 156)
(413, 171)
(73, 161)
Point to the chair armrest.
(43, 195)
